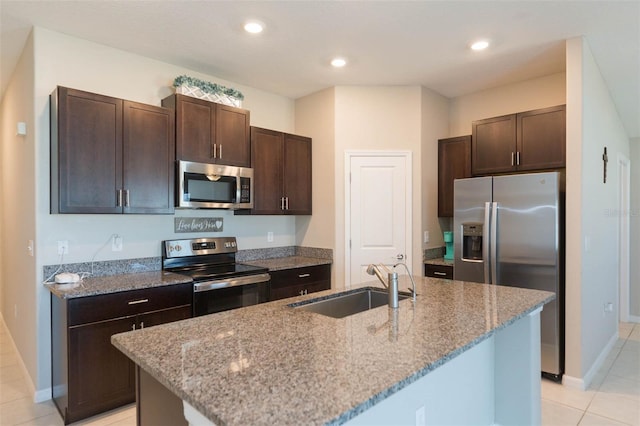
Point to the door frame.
(624, 232)
(348, 155)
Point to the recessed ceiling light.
(338, 62)
(480, 45)
(254, 27)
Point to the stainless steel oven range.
(219, 283)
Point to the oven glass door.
(224, 299)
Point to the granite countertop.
(271, 364)
(288, 262)
(440, 261)
(115, 283)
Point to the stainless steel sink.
(348, 303)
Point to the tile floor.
(613, 398)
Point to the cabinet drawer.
(108, 306)
(438, 271)
(288, 277)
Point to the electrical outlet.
(116, 243)
(63, 247)
(30, 248)
(269, 237)
(421, 416)
(426, 237)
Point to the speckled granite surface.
(246, 256)
(289, 262)
(115, 283)
(271, 364)
(441, 261)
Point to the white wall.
(52, 59)
(315, 116)
(17, 217)
(592, 264)
(435, 125)
(377, 118)
(517, 97)
(634, 276)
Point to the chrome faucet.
(392, 284)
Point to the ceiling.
(385, 42)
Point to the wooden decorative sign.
(197, 224)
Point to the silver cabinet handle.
(133, 326)
(221, 151)
(281, 203)
(118, 197)
(287, 203)
(137, 302)
(303, 275)
(126, 198)
(141, 324)
(518, 158)
(512, 161)
(215, 149)
(439, 273)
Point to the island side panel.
(518, 372)
(155, 404)
(457, 392)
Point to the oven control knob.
(177, 247)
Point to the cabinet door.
(100, 376)
(164, 316)
(86, 152)
(267, 162)
(542, 138)
(232, 136)
(454, 162)
(195, 128)
(297, 281)
(297, 175)
(494, 145)
(148, 159)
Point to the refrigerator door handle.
(485, 242)
(494, 243)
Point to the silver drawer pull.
(439, 273)
(303, 275)
(136, 302)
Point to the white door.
(378, 211)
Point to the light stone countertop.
(440, 261)
(289, 262)
(271, 364)
(116, 283)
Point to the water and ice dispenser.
(472, 241)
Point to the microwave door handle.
(238, 187)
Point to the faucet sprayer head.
(373, 270)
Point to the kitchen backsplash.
(433, 253)
(148, 264)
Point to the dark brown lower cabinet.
(89, 375)
(299, 281)
(438, 271)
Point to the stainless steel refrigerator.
(509, 230)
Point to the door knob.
(400, 257)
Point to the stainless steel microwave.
(214, 186)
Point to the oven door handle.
(230, 282)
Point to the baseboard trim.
(634, 318)
(38, 396)
(584, 382)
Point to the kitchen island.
(465, 352)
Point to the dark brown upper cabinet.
(281, 172)
(109, 155)
(208, 132)
(454, 162)
(532, 140)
